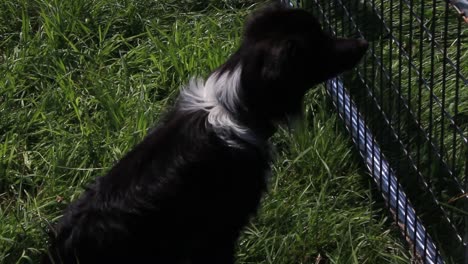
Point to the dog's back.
(178, 191)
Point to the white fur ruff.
(219, 96)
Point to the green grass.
(81, 82)
(319, 203)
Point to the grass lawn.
(81, 82)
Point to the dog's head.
(284, 52)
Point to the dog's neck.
(221, 96)
(242, 109)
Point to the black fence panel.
(411, 90)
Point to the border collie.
(183, 195)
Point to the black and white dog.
(183, 195)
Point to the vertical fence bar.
(465, 238)
(462, 151)
(431, 88)
(444, 78)
(390, 59)
(400, 82)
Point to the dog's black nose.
(348, 52)
(362, 43)
(350, 46)
(361, 46)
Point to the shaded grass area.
(81, 82)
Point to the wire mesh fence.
(411, 91)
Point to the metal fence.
(405, 107)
